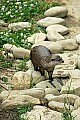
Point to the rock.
(37, 37)
(7, 55)
(78, 62)
(21, 52)
(16, 100)
(21, 80)
(73, 85)
(29, 64)
(77, 38)
(43, 113)
(69, 44)
(2, 23)
(9, 47)
(34, 92)
(76, 114)
(53, 91)
(45, 22)
(49, 97)
(77, 103)
(70, 63)
(70, 98)
(44, 84)
(58, 28)
(59, 106)
(54, 47)
(18, 26)
(54, 36)
(58, 11)
(35, 76)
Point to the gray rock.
(54, 36)
(58, 28)
(2, 23)
(42, 113)
(50, 21)
(58, 11)
(69, 44)
(78, 62)
(18, 26)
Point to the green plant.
(69, 88)
(66, 113)
(21, 65)
(23, 109)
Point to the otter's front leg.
(41, 71)
(50, 75)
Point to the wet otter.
(42, 59)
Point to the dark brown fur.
(42, 59)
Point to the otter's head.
(55, 60)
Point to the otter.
(42, 59)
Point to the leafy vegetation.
(66, 114)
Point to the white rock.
(41, 112)
(21, 52)
(76, 114)
(16, 100)
(50, 21)
(58, 28)
(77, 103)
(35, 76)
(69, 44)
(18, 26)
(58, 11)
(54, 36)
(7, 55)
(78, 62)
(37, 37)
(73, 85)
(54, 47)
(21, 80)
(9, 47)
(59, 106)
(53, 91)
(77, 38)
(70, 98)
(44, 84)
